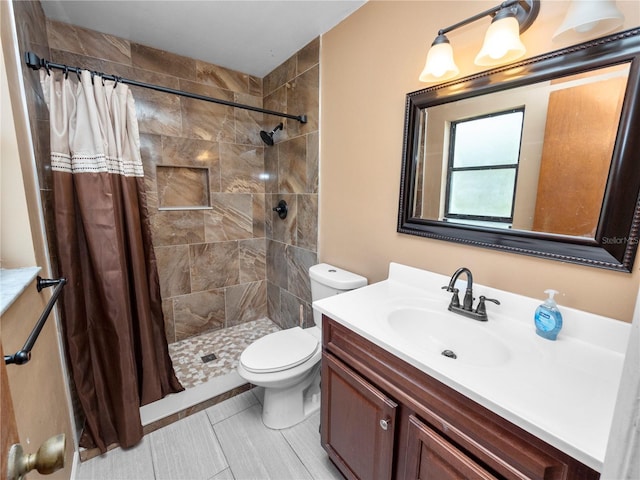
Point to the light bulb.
(590, 18)
(501, 43)
(440, 65)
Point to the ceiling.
(250, 36)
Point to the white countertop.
(13, 281)
(561, 391)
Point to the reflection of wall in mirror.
(418, 199)
(439, 119)
(576, 157)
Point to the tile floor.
(226, 344)
(226, 441)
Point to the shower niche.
(183, 188)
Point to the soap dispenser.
(548, 318)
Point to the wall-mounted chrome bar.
(36, 63)
(24, 355)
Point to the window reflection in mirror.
(483, 165)
(562, 135)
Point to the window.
(483, 167)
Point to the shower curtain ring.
(66, 72)
(46, 67)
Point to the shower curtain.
(112, 319)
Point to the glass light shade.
(440, 65)
(588, 18)
(501, 43)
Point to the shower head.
(267, 137)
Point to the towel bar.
(23, 355)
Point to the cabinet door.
(430, 456)
(358, 423)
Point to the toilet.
(287, 363)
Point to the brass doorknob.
(48, 459)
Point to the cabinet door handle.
(385, 423)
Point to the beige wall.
(369, 62)
(38, 389)
(14, 251)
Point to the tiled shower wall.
(224, 256)
(292, 175)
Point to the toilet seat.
(279, 351)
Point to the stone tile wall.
(292, 175)
(234, 261)
(211, 257)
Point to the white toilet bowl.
(287, 365)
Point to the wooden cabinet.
(430, 455)
(382, 418)
(359, 431)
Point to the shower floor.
(221, 350)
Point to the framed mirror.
(539, 157)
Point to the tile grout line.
(230, 416)
(304, 465)
(153, 463)
(224, 454)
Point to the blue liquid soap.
(548, 318)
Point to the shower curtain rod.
(36, 63)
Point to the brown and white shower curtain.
(113, 325)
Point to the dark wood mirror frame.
(616, 239)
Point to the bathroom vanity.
(393, 406)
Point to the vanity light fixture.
(501, 43)
(588, 17)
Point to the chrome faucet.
(480, 313)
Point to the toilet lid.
(279, 351)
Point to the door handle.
(385, 423)
(48, 459)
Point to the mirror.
(540, 157)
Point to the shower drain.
(449, 354)
(208, 358)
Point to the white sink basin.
(459, 339)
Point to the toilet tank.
(327, 280)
